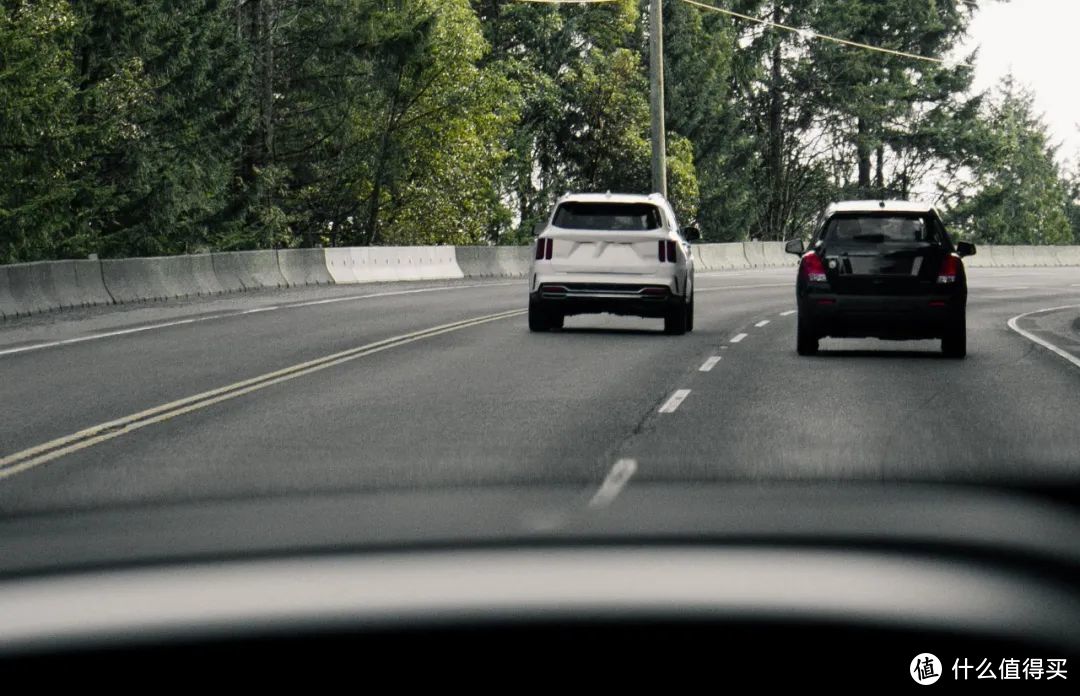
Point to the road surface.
(395, 386)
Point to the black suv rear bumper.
(894, 317)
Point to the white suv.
(616, 253)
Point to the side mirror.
(538, 228)
(965, 249)
(795, 246)
(692, 234)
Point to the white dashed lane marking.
(675, 401)
(738, 337)
(613, 483)
(709, 364)
(761, 323)
(787, 313)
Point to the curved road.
(363, 387)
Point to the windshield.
(631, 217)
(319, 254)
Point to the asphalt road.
(485, 402)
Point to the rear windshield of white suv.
(876, 229)
(633, 217)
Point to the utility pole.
(656, 97)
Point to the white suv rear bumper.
(674, 281)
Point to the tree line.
(148, 127)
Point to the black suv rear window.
(876, 229)
(634, 217)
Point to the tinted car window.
(634, 217)
(881, 228)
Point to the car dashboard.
(778, 592)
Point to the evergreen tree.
(37, 129)
(1019, 194)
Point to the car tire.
(539, 319)
(676, 319)
(806, 339)
(954, 342)
(555, 320)
(690, 315)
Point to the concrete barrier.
(389, 264)
(248, 270)
(197, 273)
(376, 264)
(1068, 255)
(137, 280)
(45, 286)
(1004, 256)
(445, 259)
(7, 302)
(32, 288)
(775, 256)
(340, 265)
(513, 262)
(1021, 256)
(718, 257)
(495, 262)
(304, 267)
(479, 262)
(1039, 255)
(160, 277)
(983, 258)
(89, 287)
(755, 254)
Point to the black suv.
(883, 269)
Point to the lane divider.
(1014, 325)
(788, 313)
(709, 364)
(761, 323)
(738, 337)
(675, 401)
(240, 313)
(613, 483)
(54, 449)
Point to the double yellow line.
(46, 452)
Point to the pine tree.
(37, 130)
(160, 106)
(1019, 195)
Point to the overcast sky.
(1039, 40)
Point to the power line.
(804, 33)
(808, 34)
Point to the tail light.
(665, 251)
(812, 268)
(949, 268)
(543, 249)
(654, 292)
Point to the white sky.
(1039, 41)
